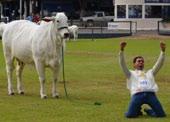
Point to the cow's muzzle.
(66, 35)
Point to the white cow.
(30, 43)
(42, 22)
(2, 27)
(73, 30)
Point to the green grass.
(93, 75)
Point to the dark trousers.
(139, 99)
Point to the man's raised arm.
(160, 60)
(122, 60)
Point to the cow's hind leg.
(41, 72)
(19, 69)
(75, 34)
(9, 69)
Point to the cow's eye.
(58, 21)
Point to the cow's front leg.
(19, 69)
(55, 93)
(41, 72)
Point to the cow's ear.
(53, 18)
(48, 19)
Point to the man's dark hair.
(135, 58)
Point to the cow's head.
(61, 24)
(61, 21)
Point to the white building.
(146, 13)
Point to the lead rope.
(64, 81)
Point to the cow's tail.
(2, 28)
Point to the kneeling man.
(142, 84)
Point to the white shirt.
(139, 80)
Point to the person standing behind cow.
(142, 85)
(36, 18)
(30, 17)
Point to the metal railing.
(163, 28)
(100, 29)
(4, 19)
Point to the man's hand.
(162, 46)
(122, 46)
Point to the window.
(121, 11)
(165, 12)
(135, 11)
(157, 1)
(151, 1)
(99, 14)
(153, 11)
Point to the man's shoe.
(149, 112)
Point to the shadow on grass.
(151, 119)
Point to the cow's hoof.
(56, 96)
(11, 94)
(21, 93)
(44, 97)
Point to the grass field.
(93, 75)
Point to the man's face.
(139, 64)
